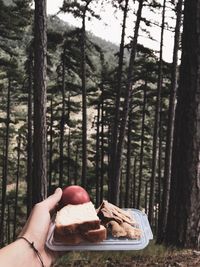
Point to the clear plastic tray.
(110, 243)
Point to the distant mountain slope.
(110, 49)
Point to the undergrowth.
(112, 258)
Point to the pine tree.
(114, 192)
(170, 127)
(184, 205)
(39, 138)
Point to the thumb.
(53, 200)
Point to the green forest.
(119, 120)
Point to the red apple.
(74, 195)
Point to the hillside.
(110, 49)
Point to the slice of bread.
(93, 236)
(76, 219)
(97, 235)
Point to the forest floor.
(153, 255)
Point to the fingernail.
(58, 190)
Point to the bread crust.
(77, 228)
(93, 236)
(96, 236)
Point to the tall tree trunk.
(30, 135)
(17, 188)
(5, 173)
(157, 119)
(39, 139)
(128, 162)
(69, 157)
(183, 228)
(142, 146)
(51, 145)
(84, 104)
(160, 164)
(8, 223)
(62, 122)
(102, 147)
(116, 120)
(76, 165)
(69, 141)
(146, 197)
(102, 121)
(114, 194)
(170, 128)
(134, 181)
(97, 156)
(121, 189)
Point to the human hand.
(37, 226)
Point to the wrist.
(44, 256)
(35, 252)
(28, 253)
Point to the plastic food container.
(110, 243)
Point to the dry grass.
(111, 258)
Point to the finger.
(53, 200)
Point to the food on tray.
(77, 223)
(92, 236)
(74, 194)
(118, 222)
(76, 218)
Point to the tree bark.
(39, 139)
(84, 101)
(30, 135)
(114, 194)
(170, 128)
(76, 165)
(5, 173)
(69, 157)
(146, 197)
(134, 182)
(17, 188)
(8, 223)
(183, 227)
(62, 122)
(128, 162)
(115, 128)
(51, 145)
(142, 146)
(102, 151)
(156, 123)
(97, 156)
